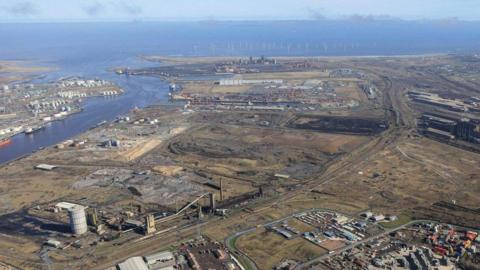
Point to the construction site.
(273, 161)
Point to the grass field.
(268, 249)
(231, 244)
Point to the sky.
(192, 10)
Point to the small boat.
(4, 142)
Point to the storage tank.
(78, 220)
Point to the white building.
(134, 263)
(377, 218)
(161, 261)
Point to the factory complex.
(248, 163)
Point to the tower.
(92, 217)
(212, 201)
(150, 224)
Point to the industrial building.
(282, 232)
(134, 263)
(78, 220)
(467, 130)
(436, 100)
(377, 218)
(243, 82)
(453, 118)
(440, 134)
(449, 128)
(439, 123)
(45, 167)
(162, 260)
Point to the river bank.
(138, 93)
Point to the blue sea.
(90, 41)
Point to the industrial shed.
(134, 263)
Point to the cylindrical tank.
(78, 220)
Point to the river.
(139, 92)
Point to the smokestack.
(200, 213)
(221, 189)
(212, 201)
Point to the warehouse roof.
(45, 167)
(66, 205)
(134, 263)
(159, 257)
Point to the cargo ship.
(33, 130)
(4, 142)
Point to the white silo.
(78, 220)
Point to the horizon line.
(355, 18)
